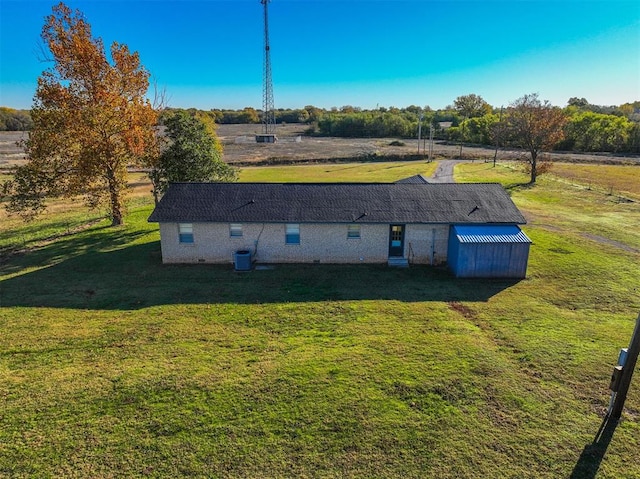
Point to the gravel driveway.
(444, 172)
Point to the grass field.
(614, 179)
(113, 365)
(586, 208)
(350, 172)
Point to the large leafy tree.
(535, 126)
(91, 120)
(14, 120)
(470, 106)
(588, 131)
(479, 129)
(192, 153)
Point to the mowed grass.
(113, 365)
(574, 208)
(63, 217)
(615, 179)
(342, 172)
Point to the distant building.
(266, 138)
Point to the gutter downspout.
(433, 245)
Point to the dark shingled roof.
(415, 179)
(466, 203)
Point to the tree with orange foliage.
(91, 120)
(535, 126)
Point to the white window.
(292, 234)
(235, 229)
(185, 232)
(353, 231)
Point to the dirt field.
(240, 148)
(293, 146)
(10, 153)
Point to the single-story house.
(395, 223)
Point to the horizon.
(364, 53)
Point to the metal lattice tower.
(268, 109)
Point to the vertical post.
(431, 141)
(420, 132)
(498, 135)
(627, 372)
(433, 246)
(460, 152)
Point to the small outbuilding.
(488, 251)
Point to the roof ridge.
(332, 183)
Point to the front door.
(396, 240)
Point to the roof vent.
(475, 208)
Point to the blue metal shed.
(488, 251)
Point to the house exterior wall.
(426, 244)
(325, 243)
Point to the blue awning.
(490, 234)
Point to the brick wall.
(324, 243)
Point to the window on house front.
(353, 231)
(235, 229)
(185, 232)
(292, 234)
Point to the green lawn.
(350, 172)
(615, 179)
(113, 365)
(573, 208)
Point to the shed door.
(396, 240)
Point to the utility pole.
(431, 141)
(622, 386)
(498, 136)
(420, 132)
(462, 135)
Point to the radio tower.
(268, 114)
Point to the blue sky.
(208, 53)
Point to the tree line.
(15, 120)
(588, 127)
